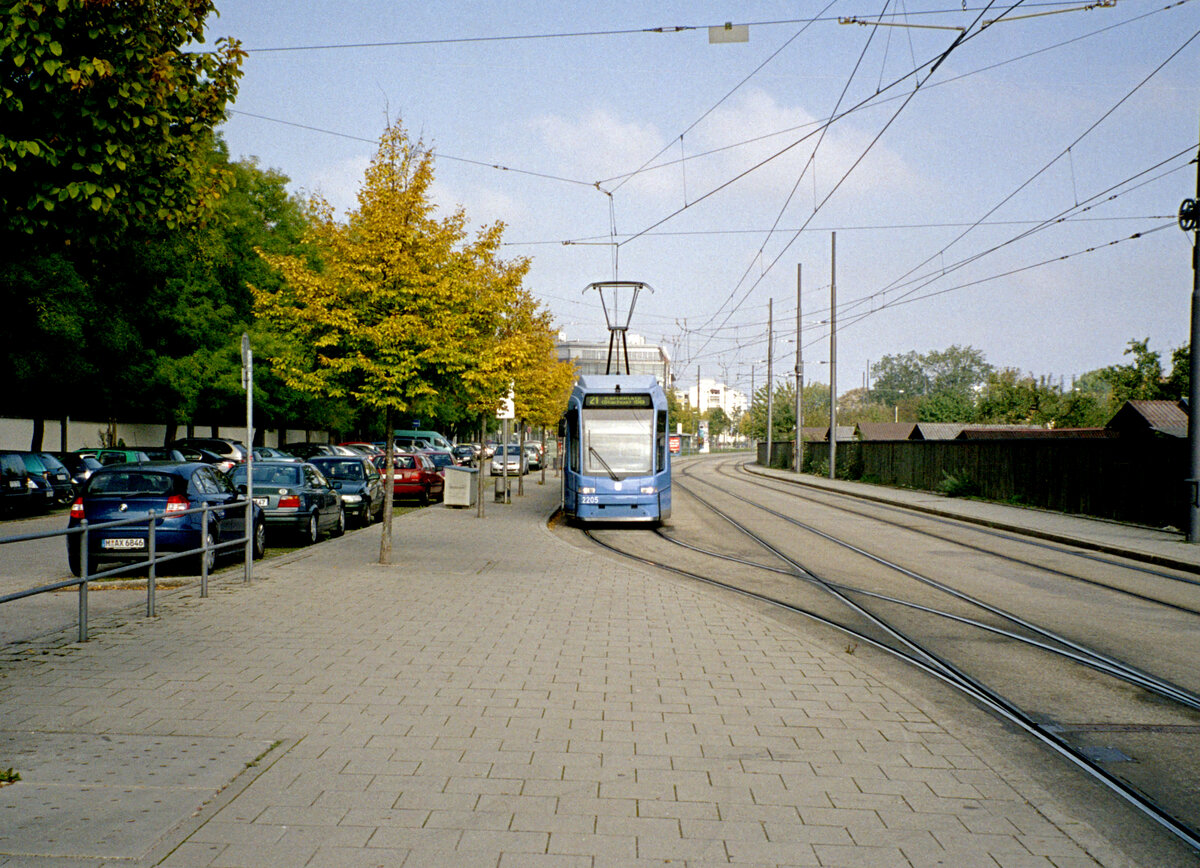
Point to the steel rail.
(1135, 675)
(1123, 671)
(948, 673)
(788, 487)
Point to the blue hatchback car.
(127, 491)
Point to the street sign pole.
(248, 385)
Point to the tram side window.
(573, 440)
(661, 443)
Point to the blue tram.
(617, 464)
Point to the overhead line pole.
(798, 449)
(770, 371)
(833, 356)
(1189, 221)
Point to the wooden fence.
(1134, 480)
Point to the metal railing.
(151, 562)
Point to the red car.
(415, 476)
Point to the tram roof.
(617, 383)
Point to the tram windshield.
(618, 443)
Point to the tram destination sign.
(617, 401)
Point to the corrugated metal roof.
(1162, 417)
(885, 430)
(937, 430)
(1020, 432)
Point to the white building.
(713, 393)
(591, 357)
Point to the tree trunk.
(39, 432)
(389, 488)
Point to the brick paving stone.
(535, 705)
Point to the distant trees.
(959, 385)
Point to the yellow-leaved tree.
(394, 308)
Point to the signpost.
(248, 385)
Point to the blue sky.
(994, 206)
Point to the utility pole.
(833, 356)
(770, 362)
(798, 450)
(1189, 221)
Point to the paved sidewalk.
(496, 697)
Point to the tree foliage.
(105, 117)
(396, 309)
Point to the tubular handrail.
(152, 521)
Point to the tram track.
(831, 499)
(944, 641)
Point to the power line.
(439, 154)
(633, 31)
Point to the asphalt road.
(33, 563)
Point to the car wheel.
(260, 541)
(312, 532)
(208, 557)
(340, 527)
(367, 515)
(425, 496)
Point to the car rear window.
(405, 462)
(340, 469)
(267, 475)
(132, 482)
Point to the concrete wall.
(81, 434)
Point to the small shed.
(1150, 419)
(937, 430)
(876, 431)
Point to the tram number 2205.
(589, 498)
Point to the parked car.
(15, 491)
(465, 454)
(510, 458)
(80, 466)
(415, 476)
(262, 453)
(120, 456)
(203, 456)
(533, 454)
(370, 450)
(124, 491)
(134, 454)
(295, 498)
(441, 460)
(305, 451)
(231, 450)
(357, 481)
(48, 469)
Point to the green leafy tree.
(942, 383)
(718, 421)
(1141, 379)
(106, 117)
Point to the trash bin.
(460, 486)
(503, 489)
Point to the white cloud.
(599, 146)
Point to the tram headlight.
(587, 489)
(649, 489)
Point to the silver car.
(510, 459)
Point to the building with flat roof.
(591, 357)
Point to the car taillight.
(289, 501)
(175, 503)
(77, 508)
